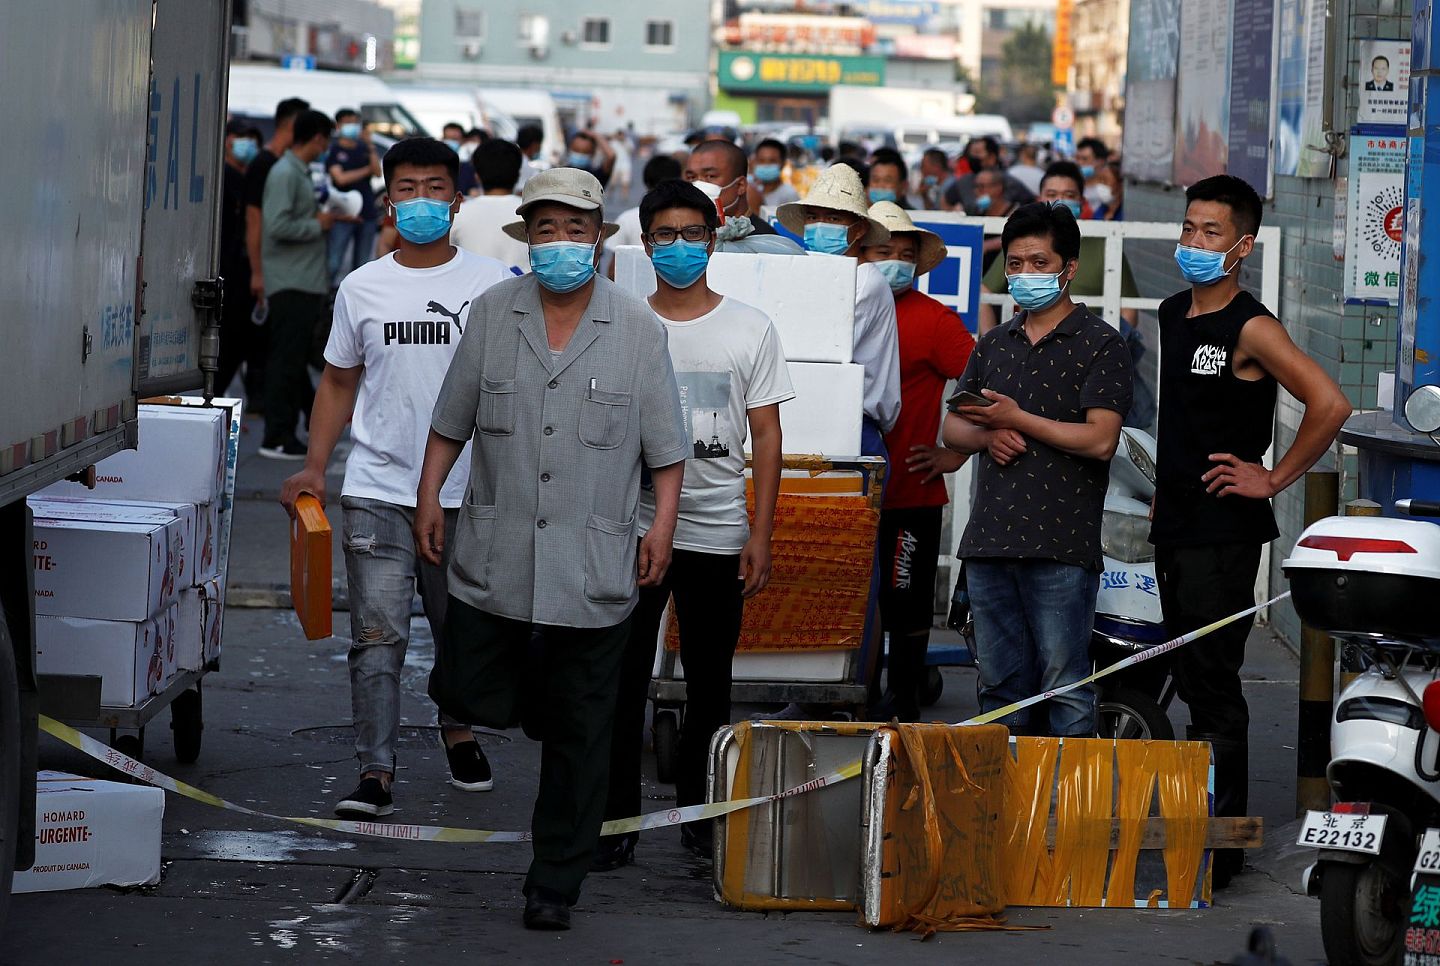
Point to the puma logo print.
(426, 331)
(1209, 360)
(439, 309)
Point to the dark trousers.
(708, 606)
(1199, 585)
(292, 321)
(490, 673)
(242, 342)
(909, 548)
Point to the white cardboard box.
(197, 626)
(166, 629)
(106, 571)
(129, 657)
(182, 458)
(93, 833)
(214, 620)
(827, 411)
(184, 551)
(810, 299)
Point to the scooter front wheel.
(1364, 906)
(1127, 713)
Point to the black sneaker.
(546, 909)
(469, 769)
(368, 800)
(290, 449)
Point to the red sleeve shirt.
(934, 347)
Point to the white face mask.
(1103, 194)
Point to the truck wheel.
(665, 735)
(1365, 907)
(187, 722)
(9, 767)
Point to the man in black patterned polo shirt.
(1058, 384)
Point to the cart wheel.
(932, 687)
(665, 734)
(132, 746)
(187, 723)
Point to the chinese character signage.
(1375, 220)
(796, 73)
(1251, 113)
(1384, 82)
(1422, 932)
(1202, 102)
(1301, 79)
(1150, 89)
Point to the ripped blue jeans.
(383, 572)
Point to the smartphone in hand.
(965, 398)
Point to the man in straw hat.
(834, 219)
(1046, 394)
(934, 347)
(566, 386)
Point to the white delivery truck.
(107, 283)
(435, 107)
(871, 113)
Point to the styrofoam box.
(93, 833)
(166, 627)
(181, 459)
(183, 552)
(128, 656)
(106, 571)
(197, 626)
(827, 411)
(810, 299)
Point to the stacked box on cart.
(184, 551)
(197, 631)
(129, 657)
(105, 570)
(91, 833)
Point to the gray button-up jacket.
(547, 532)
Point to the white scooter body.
(1128, 589)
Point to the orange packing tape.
(310, 567)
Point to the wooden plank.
(1222, 833)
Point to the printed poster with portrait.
(1384, 82)
(1376, 218)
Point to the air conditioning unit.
(472, 49)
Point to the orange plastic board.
(822, 552)
(1089, 787)
(934, 862)
(310, 567)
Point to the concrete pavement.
(238, 890)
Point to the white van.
(436, 107)
(255, 90)
(531, 107)
(917, 134)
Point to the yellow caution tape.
(675, 816)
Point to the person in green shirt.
(1064, 184)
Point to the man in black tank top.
(1222, 356)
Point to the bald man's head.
(722, 156)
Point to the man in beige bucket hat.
(934, 347)
(834, 219)
(563, 384)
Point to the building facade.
(1100, 37)
(336, 34)
(611, 64)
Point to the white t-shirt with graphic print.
(726, 362)
(402, 325)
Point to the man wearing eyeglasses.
(731, 372)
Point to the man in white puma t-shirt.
(397, 323)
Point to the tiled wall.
(1354, 343)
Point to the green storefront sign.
(796, 73)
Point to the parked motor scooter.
(1371, 582)
(1131, 703)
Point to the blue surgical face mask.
(1200, 266)
(881, 194)
(681, 263)
(1034, 292)
(453, 145)
(1088, 170)
(245, 150)
(766, 173)
(422, 220)
(931, 180)
(825, 238)
(1070, 203)
(351, 131)
(577, 160)
(983, 203)
(563, 266)
(900, 274)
